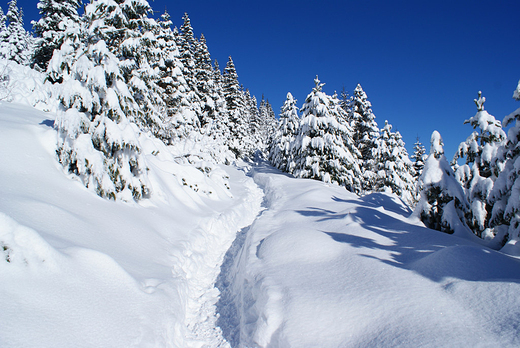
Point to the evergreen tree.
(56, 17)
(394, 168)
(239, 141)
(97, 140)
(186, 43)
(479, 173)
(180, 122)
(204, 77)
(17, 44)
(320, 152)
(419, 156)
(442, 204)
(3, 27)
(280, 152)
(346, 102)
(366, 133)
(505, 195)
(266, 125)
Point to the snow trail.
(203, 258)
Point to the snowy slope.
(312, 266)
(80, 271)
(323, 268)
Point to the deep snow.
(312, 265)
(322, 267)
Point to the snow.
(322, 267)
(89, 272)
(311, 265)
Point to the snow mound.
(21, 84)
(23, 247)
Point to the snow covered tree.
(3, 25)
(346, 102)
(366, 133)
(266, 125)
(418, 157)
(56, 17)
(97, 140)
(239, 141)
(16, 44)
(395, 171)
(505, 195)
(205, 83)
(320, 152)
(179, 120)
(442, 204)
(187, 47)
(280, 153)
(478, 174)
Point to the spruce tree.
(179, 120)
(239, 141)
(280, 152)
(320, 152)
(366, 133)
(394, 169)
(479, 173)
(17, 43)
(506, 191)
(97, 140)
(442, 204)
(418, 157)
(57, 16)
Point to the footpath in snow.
(77, 270)
(322, 267)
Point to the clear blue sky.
(420, 62)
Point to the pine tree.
(239, 141)
(506, 191)
(346, 102)
(187, 46)
(16, 44)
(57, 16)
(442, 204)
(97, 140)
(418, 157)
(265, 125)
(366, 133)
(394, 169)
(3, 27)
(320, 152)
(205, 84)
(479, 173)
(180, 122)
(280, 152)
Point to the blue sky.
(421, 63)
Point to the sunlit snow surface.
(323, 268)
(318, 267)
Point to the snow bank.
(321, 267)
(77, 270)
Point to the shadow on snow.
(430, 253)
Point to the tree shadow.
(48, 123)
(430, 253)
(380, 200)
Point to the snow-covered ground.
(323, 268)
(77, 270)
(312, 265)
